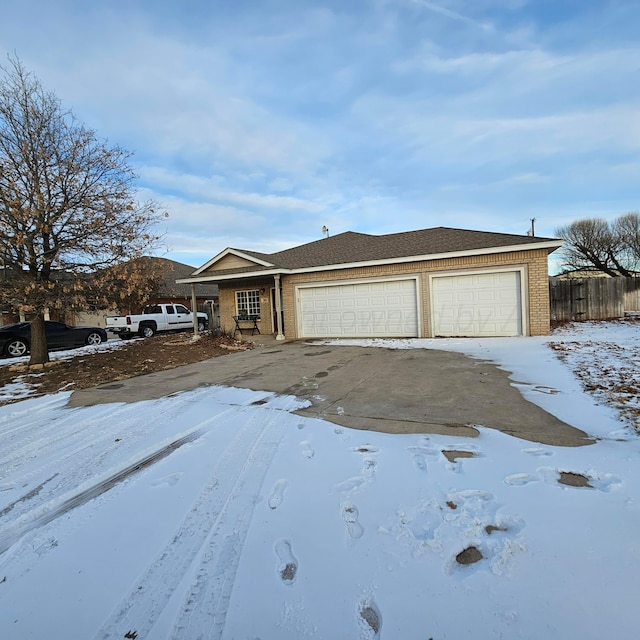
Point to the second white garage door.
(368, 310)
(485, 304)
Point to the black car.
(16, 338)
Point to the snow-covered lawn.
(219, 513)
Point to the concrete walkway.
(395, 391)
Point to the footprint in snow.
(339, 431)
(366, 448)
(538, 388)
(46, 546)
(419, 455)
(169, 480)
(350, 515)
(520, 479)
(369, 459)
(307, 451)
(369, 467)
(277, 494)
(369, 619)
(288, 567)
(537, 451)
(350, 484)
(420, 461)
(548, 390)
(591, 480)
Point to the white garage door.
(374, 309)
(486, 304)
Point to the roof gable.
(233, 259)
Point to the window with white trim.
(248, 303)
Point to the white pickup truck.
(154, 318)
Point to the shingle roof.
(170, 271)
(351, 247)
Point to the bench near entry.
(246, 323)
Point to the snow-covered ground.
(218, 513)
(26, 385)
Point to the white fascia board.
(233, 252)
(232, 276)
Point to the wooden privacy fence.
(632, 294)
(593, 298)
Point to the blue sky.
(257, 123)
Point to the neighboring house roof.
(360, 249)
(170, 271)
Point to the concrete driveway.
(395, 391)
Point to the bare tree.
(627, 228)
(592, 244)
(67, 205)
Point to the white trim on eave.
(234, 252)
(233, 276)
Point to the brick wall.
(227, 300)
(534, 262)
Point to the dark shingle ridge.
(353, 247)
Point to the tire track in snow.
(62, 500)
(47, 515)
(208, 599)
(66, 434)
(207, 545)
(77, 460)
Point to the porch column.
(194, 309)
(279, 335)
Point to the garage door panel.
(477, 305)
(376, 309)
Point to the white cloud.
(442, 135)
(182, 98)
(442, 10)
(198, 187)
(257, 125)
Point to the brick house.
(166, 290)
(426, 283)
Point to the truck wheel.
(125, 336)
(147, 331)
(201, 325)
